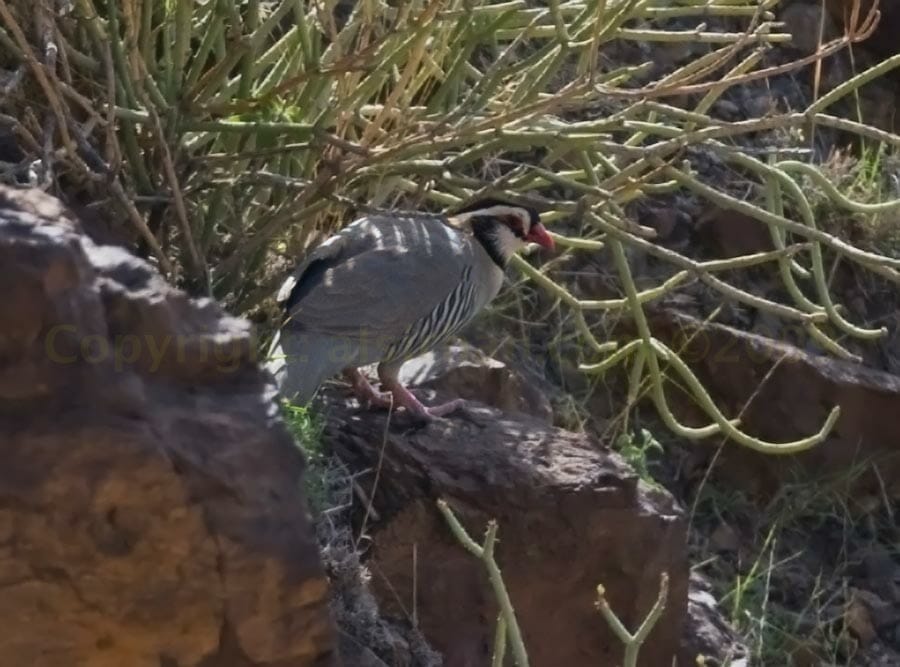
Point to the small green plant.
(635, 448)
(307, 428)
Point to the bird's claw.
(436, 411)
(403, 397)
(367, 394)
(398, 396)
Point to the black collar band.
(485, 230)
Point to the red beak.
(538, 234)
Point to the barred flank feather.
(443, 321)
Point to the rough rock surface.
(466, 372)
(150, 505)
(706, 631)
(570, 516)
(731, 233)
(784, 393)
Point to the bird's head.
(503, 228)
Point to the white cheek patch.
(507, 242)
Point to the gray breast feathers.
(381, 277)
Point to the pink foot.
(404, 397)
(366, 393)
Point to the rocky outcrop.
(150, 505)
(706, 631)
(571, 515)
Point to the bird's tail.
(301, 362)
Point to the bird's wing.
(377, 277)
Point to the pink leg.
(366, 393)
(404, 397)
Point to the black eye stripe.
(515, 224)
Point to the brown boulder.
(150, 505)
(732, 234)
(570, 516)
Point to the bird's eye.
(515, 224)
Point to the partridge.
(388, 287)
